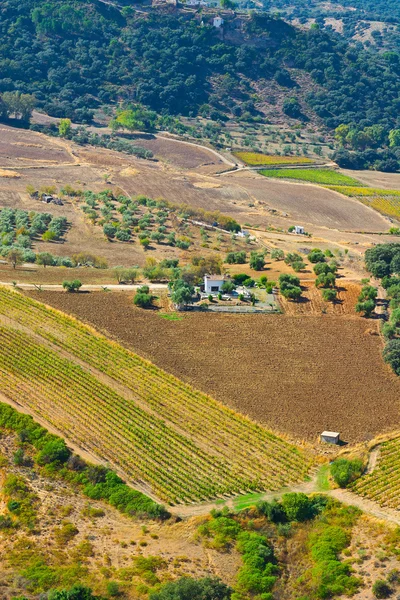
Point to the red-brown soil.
(297, 375)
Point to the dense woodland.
(75, 57)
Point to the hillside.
(76, 58)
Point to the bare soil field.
(297, 375)
(376, 179)
(312, 302)
(179, 154)
(311, 205)
(21, 147)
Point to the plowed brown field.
(298, 375)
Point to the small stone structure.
(330, 437)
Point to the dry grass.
(9, 174)
(129, 172)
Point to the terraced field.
(145, 422)
(383, 484)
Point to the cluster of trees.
(289, 286)
(19, 229)
(367, 300)
(76, 58)
(374, 146)
(383, 261)
(14, 105)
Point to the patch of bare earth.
(297, 375)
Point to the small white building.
(213, 283)
(218, 22)
(330, 437)
(299, 229)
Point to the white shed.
(330, 437)
(299, 229)
(218, 22)
(213, 283)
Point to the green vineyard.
(151, 426)
(383, 485)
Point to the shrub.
(72, 286)
(53, 451)
(316, 256)
(65, 533)
(297, 506)
(381, 589)
(187, 588)
(345, 471)
(329, 295)
(143, 298)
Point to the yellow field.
(386, 206)
(353, 191)
(255, 159)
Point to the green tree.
(341, 133)
(394, 138)
(143, 298)
(297, 506)
(391, 355)
(316, 256)
(227, 287)
(367, 307)
(109, 231)
(64, 127)
(53, 451)
(45, 259)
(326, 280)
(72, 286)
(182, 293)
(329, 295)
(277, 254)
(257, 260)
(381, 589)
(15, 257)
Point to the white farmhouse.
(299, 229)
(218, 22)
(213, 283)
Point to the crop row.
(71, 398)
(256, 158)
(354, 191)
(322, 176)
(383, 485)
(181, 405)
(229, 448)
